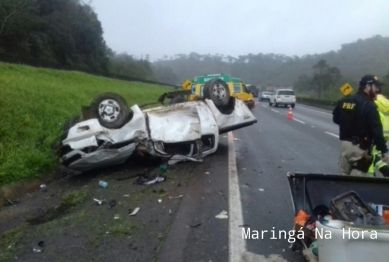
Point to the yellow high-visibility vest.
(383, 107)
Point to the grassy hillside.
(35, 103)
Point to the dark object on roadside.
(128, 177)
(112, 203)
(11, 203)
(153, 179)
(321, 211)
(196, 225)
(351, 207)
(41, 243)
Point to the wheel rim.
(109, 110)
(219, 91)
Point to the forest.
(69, 33)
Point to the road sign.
(346, 89)
(186, 85)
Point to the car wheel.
(111, 110)
(270, 103)
(217, 90)
(276, 105)
(293, 105)
(176, 100)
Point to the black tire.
(111, 110)
(270, 103)
(177, 99)
(217, 90)
(276, 105)
(293, 105)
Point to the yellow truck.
(235, 85)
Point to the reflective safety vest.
(383, 107)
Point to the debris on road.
(133, 213)
(261, 189)
(117, 216)
(41, 243)
(171, 197)
(112, 203)
(142, 180)
(43, 188)
(196, 225)
(163, 168)
(36, 250)
(237, 139)
(103, 184)
(99, 202)
(126, 195)
(207, 173)
(159, 200)
(222, 215)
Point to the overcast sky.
(238, 27)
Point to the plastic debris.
(159, 200)
(99, 202)
(36, 250)
(222, 215)
(261, 189)
(117, 216)
(103, 184)
(171, 197)
(207, 173)
(149, 181)
(134, 211)
(163, 168)
(43, 188)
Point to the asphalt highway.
(265, 153)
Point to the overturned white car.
(108, 132)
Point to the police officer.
(359, 128)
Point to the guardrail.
(326, 104)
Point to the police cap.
(368, 80)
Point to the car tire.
(176, 100)
(293, 105)
(270, 103)
(111, 110)
(217, 90)
(276, 105)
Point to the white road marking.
(315, 110)
(331, 134)
(237, 245)
(299, 121)
(275, 110)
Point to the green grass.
(74, 198)
(34, 105)
(8, 242)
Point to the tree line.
(63, 32)
(68, 32)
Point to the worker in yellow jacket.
(383, 107)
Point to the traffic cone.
(290, 113)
